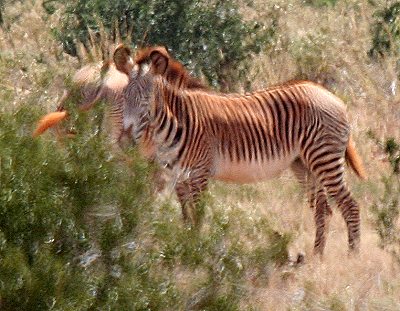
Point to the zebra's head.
(154, 62)
(149, 64)
(93, 83)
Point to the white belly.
(248, 172)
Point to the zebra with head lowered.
(200, 134)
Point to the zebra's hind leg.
(318, 201)
(322, 214)
(330, 173)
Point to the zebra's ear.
(123, 59)
(159, 60)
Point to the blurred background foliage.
(386, 31)
(209, 37)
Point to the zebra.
(201, 134)
(97, 82)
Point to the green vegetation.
(387, 209)
(386, 32)
(210, 37)
(79, 230)
(63, 204)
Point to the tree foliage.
(210, 37)
(66, 211)
(386, 31)
(387, 209)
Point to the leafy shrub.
(387, 209)
(386, 31)
(211, 37)
(79, 230)
(68, 210)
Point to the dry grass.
(337, 282)
(362, 282)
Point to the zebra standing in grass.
(201, 134)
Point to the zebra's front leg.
(188, 192)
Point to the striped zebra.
(198, 134)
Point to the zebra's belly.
(250, 171)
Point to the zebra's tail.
(354, 160)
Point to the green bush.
(386, 31)
(387, 209)
(210, 37)
(68, 212)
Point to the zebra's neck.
(164, 130)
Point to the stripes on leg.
(318, 201)
(188, 193)
(321, 216)
(331, 176)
